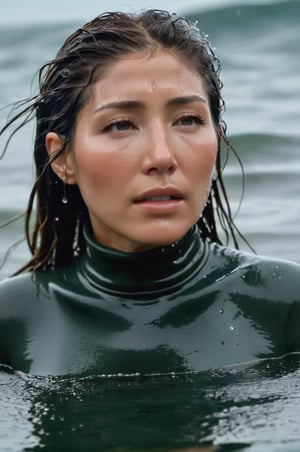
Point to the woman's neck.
(160, 269)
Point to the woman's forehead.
(142, 71)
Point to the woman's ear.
(62, 165)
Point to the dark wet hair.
(56, 237)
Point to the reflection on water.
(253, 408)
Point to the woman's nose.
(159, 156)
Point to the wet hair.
(55, 238)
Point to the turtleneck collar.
(161, 270)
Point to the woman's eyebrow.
(182, 100)
(119, 105)
(130, 104)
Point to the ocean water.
(250, 408)
(253, 408)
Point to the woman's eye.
(119, 126)
(189, 120)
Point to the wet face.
(143, 152)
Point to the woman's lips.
(165, 200)
(160, 195)
(158, 198)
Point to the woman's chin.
(161, 238)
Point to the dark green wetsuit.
(186, 307)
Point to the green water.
(246, 408)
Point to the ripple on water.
(251, 407)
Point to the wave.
(242, 14)
(258, 144)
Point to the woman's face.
(144, 151)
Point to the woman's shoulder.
(271, 275)
(14, 282)
(16, 290)
(250, 259)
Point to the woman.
(128, 273)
